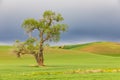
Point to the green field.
(61, 64)
(104, 48)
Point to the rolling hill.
(62, 64)
(106, 48)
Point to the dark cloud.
(89, 22)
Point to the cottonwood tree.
(49, 27)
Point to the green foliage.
(53, 16)
(49, 26)
(30, 46)
(29, 25)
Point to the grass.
(77, 46)
(60, 65)
(104, 48)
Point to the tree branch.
(41, 35)
(47, 37)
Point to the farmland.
(61, 64)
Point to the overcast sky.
(88, 20)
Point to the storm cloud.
(88, 20)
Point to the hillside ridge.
(107, 48)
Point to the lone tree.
(49, 28)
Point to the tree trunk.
(39, 57)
